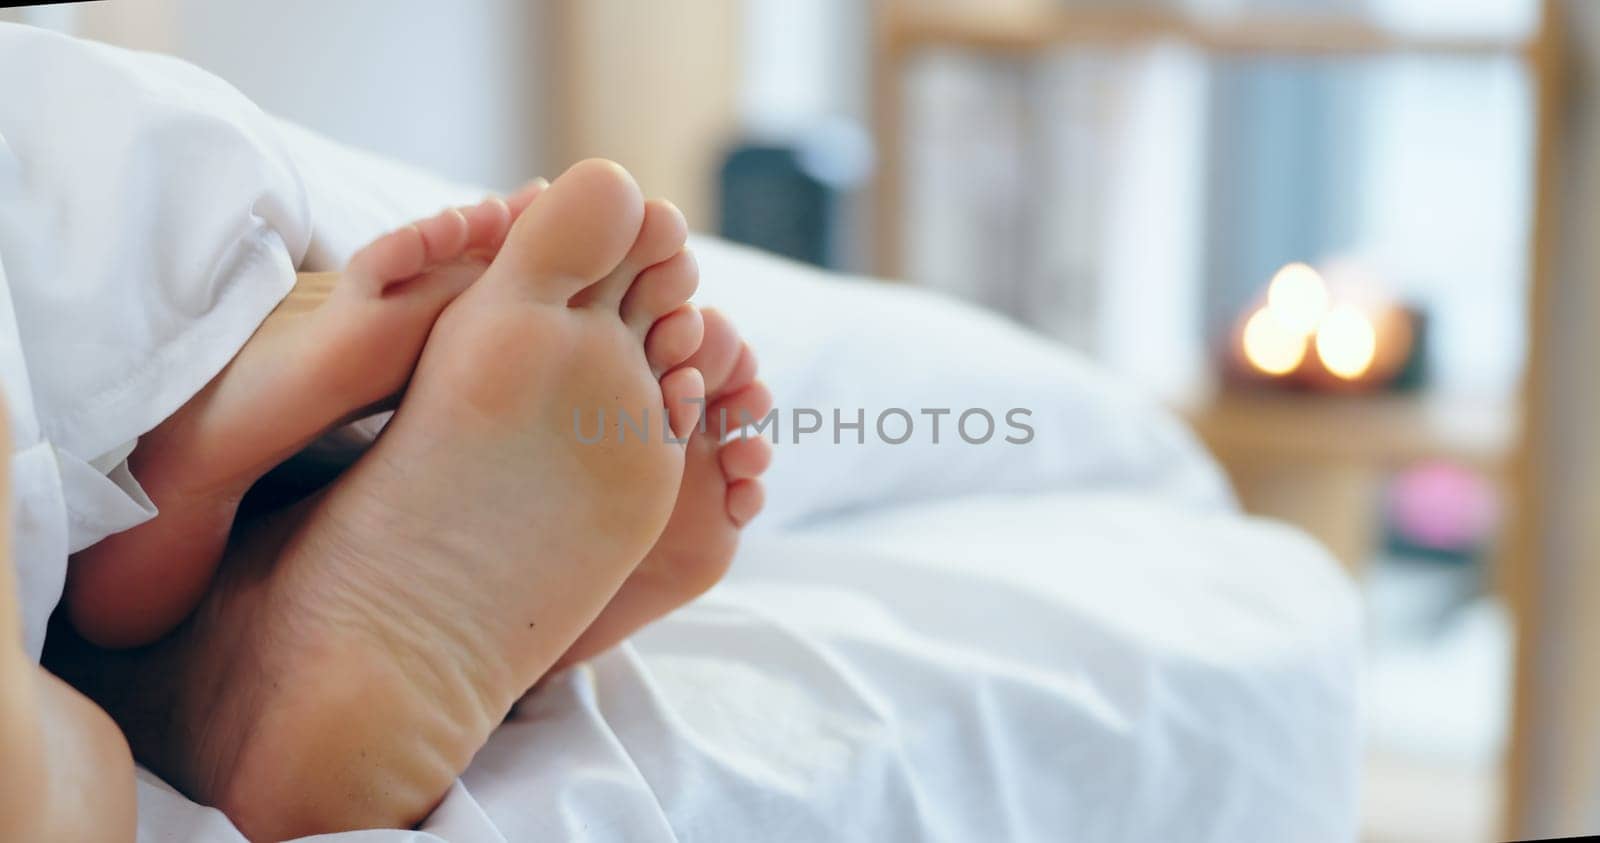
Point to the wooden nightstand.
(1319, 461)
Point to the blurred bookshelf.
(1264, 440)
(906, 28)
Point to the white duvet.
(1076, 638)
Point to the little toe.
(659, 290)
(683, 391)
(745, 500)
(673, 338)
(745, 459)
(661, 235)
(574, 235)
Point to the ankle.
(288, 741)
(318, 756)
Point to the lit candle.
(1308, 333)
(1347, 343)
(1270, 346)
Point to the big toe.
(576, 234)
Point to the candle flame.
(1270, 346)
(1347, 342)
(1298, 298)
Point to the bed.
(1079, 638)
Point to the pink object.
(1442, 506)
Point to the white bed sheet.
(1039, 667)
(1076, 639)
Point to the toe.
(741, 374)
(719, 351)
(745, 500)
(406, 253)
(444, 236)
(519, 201)
(673, 338)
(488, 222)
(661, 235)
(745, 459)
(660, 290)
(728, 412)
(683, 392)
(577, 232)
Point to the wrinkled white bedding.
(1040, 667)
(1073, 639)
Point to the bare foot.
(353, 657)
(721, 490)
(68, 775)
(308, 368)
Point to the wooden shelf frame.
(907, 28)
(910, 27)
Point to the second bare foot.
(721, 490)
(306, 369)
